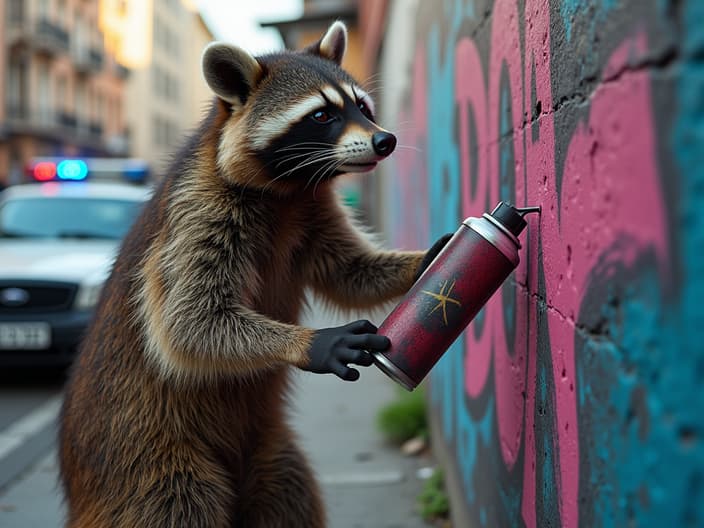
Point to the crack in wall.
(667, 61)
(587, 333)
(486, 17)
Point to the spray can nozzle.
(512, 218)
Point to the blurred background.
(95, 96)
(121, 79)
(575, 396)
(113, 78)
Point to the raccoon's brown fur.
(174, 414)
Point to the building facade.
(166, 94)
(62, 93)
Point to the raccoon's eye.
(321, 116)
(365, 110)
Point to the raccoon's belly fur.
(131, 442)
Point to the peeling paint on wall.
(575, 397)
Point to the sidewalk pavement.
(366, 483)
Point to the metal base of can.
(393, 371)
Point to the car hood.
(58, 260)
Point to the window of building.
(89, 103)
(61, 93)
(43, 8)
(15, 11)
(100, 108)
(173, 88)
(110, 110)
(158, 131)
(80, 33)
(117, 121)
(165, 39)
(61, 11)
(164, 131)
(80, 103)
(157, 31)
(175, 46)
(171, 42)
(16, 89)
(156, 79)
(164, 84)
(44, 93)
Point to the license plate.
(25, 336)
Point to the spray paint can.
(466, 273)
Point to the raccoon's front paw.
(430, 255)
(333, 348)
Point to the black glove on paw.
(432, 253)
(333, 348)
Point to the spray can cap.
(512, 217)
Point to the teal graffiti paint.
(593, 12)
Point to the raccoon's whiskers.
(375, 88)
(371, 81)
(322, 157)
(291, 157)
(280, 160)
(329, 169)
(409, 147)
(306, 144)
(323, 168)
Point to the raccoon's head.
(296, 118)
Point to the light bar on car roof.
(133, 170)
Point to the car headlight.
(88, 295)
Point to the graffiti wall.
(576, 397)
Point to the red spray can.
(466, 273)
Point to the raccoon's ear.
(333, 44)
(230, 71)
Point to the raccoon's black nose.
(383, 143)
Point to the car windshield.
(67, 217)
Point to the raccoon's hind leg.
(281, 491)
(186, 499)
(199, 497)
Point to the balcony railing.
(21, 115)
(87, 59)
(41, 33)
(17, 110)
(15, 12)
(95, 128)
(80, 56)
(67, 120)
(60, 126)
(50, 36)
(96, 59)
(121, 71)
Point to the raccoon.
(175, 408)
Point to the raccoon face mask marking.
(297, 118)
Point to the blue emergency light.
(72, 170)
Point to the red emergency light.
(44, 171)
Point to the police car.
(58, 239)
